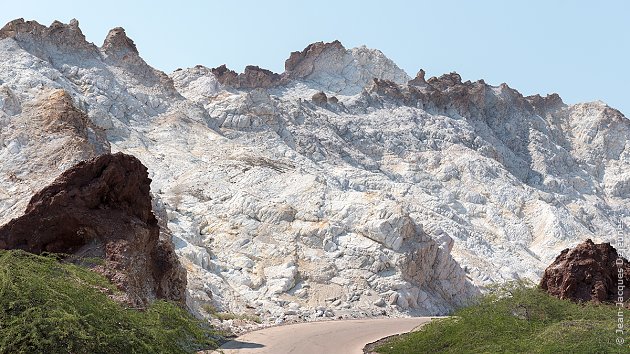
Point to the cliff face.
(340, 188)
(102, 208)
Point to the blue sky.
(579, 49)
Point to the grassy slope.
(526, 321)
(47, 306)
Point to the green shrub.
(51, 307)
(516, 318)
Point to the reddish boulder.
(588, 272)
(102, 208)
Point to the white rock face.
(386, 198)
(331, 67)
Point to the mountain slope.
(338, 188)
(48, 306)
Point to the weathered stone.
(588, 272)
(102, 208)
(253, 77)
(320, 98)
(118, 44)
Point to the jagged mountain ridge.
(385, 194)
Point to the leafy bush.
(516, 318)
(51, 307)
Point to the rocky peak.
(324, 66)
(445, 81)
(118, 44)
(542, 104)
(252, 77)
(332, 67)
(587, 272)
(302, 63)
(13, 28)
(58, 34)
(102, 208)
(120, 50)
(419, 79)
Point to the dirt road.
(335, 337)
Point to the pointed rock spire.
(419, 79)
(117, 44)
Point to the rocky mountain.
(341, 187)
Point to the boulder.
(320, 98)
(102, 208)
(588, 272)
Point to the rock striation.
(102, 208)
(588, 272)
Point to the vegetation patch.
(224, 316)
(516, 318)
(51, 307)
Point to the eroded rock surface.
(343, 189)
(102, 208)
(339, 70)
(252, 77)
(588, 272)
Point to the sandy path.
(338, 337)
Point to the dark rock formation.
(393, 91)
(102, 208)
(320, 98)
(445, 81)
(252, 77)
(588, 272)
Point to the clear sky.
(579, 49)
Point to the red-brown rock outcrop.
(102, 208)
(588, 272)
